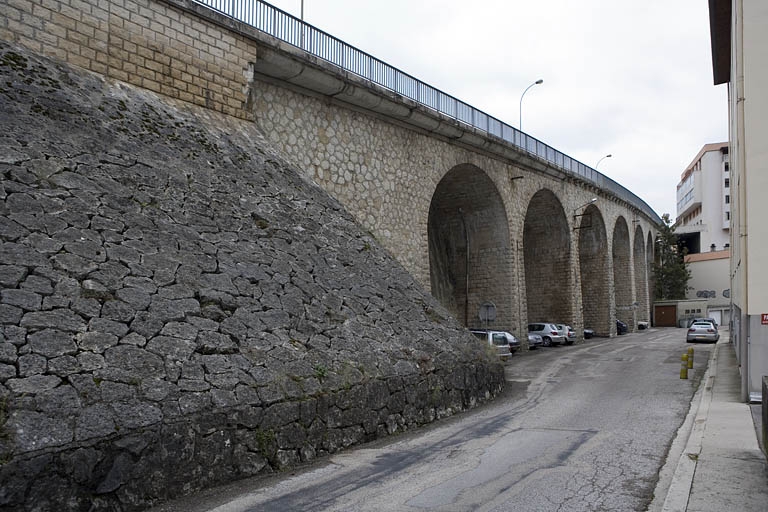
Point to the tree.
(670, 270)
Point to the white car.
(548, 332)
(568, 332)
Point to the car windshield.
(499, 338)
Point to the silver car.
(548, 332)
(702, 331)
(534, 341)
(568, 332)
(503, 342)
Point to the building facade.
(703, 227)
(703, 201)
(739, 45)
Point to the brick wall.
(147, 43)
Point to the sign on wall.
(764, 319)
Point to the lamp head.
(539, 81)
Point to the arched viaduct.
(475, 219)
(477, 211)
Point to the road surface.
(580, 428)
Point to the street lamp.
(593, 200)
(537, 82)
(598, 162)
(577, 215)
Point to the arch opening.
(650, 258)
(622, 274)
(547, 259)
(470, 261)
(641, 277)
(593, 265)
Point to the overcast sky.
(633, 79)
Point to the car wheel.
(547, 341)
(569, 342)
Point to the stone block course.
(176, 284)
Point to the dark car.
(588, 333)
(621, 327)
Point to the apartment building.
(739, 46)
(703, 227)
(703, 201)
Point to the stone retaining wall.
(180, 307)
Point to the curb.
(679, 490)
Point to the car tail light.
(553, 333)
(691, 330)
(710, 330)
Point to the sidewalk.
(720, 465)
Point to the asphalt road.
(580, 428)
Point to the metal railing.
(277, 23)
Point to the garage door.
(665, 316)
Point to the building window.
(726, 167)
(727, 215)
(727, 199)
(727, 182)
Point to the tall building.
(703, 227)
(703, 201)
(739, 46)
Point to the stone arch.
(467, 207)
(593, 265)
(622, 273)
(641, 278)
(547, 259)
(649, 258)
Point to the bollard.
(690, 358)
(684, 367)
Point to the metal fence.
(275, 22)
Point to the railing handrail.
(284, 26)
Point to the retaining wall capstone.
(179, 307)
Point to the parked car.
(710, 320)
(502, 341)
(621, 327)
(570, 335)
(548, 332)
(589, 333)
(702, 331)
(567, 332)
(534, 341)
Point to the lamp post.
(537, 82)
(577, 215)
(593, 200)
(598, 162)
